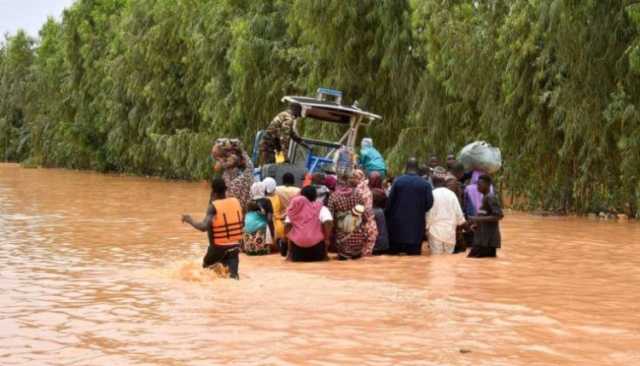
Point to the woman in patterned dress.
(370, 223)
(347, 207)
(237, 168)
(258, 223)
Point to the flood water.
(99, 270)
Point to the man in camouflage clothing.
(279, 133)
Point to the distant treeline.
(145, 86)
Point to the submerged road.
(98, 270)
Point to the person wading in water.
(486, 240)
(223, 224)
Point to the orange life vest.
(228, 223)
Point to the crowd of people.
(358, 213)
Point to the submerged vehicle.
(325, 107)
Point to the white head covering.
(366, 143)
(257, 190)
(269, 185)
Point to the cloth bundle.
(480, 155)
(230, 153)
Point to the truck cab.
(325, 107)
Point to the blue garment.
(372, 160)
(254, 221)
(409, 200)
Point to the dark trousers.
(228, 256)
(409, 248)
(315, 253)
(482, 252)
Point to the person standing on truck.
(370, 159)
(278, 135)
(223, 224)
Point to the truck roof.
(329, 111)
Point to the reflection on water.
(98, 270)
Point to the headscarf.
(331, 181)
(366, 143)
(440, 172)
(304, 217)
(375, 180)
(257, 190)
(343, 186)
(379, 195)
(269, 185)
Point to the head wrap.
(257, 190)
(343, 186)
(440, 172)
(330, 181)
(269, 185)
(375, 180)
(366, 143)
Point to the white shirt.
(445, 215)
(324, 216)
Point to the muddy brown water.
(98, 270)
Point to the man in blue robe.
(409, 200)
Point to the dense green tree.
(15, 94)
(145, 86)
(363, 48)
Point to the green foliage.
(15, 63)
(146, 86)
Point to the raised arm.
(205, 224)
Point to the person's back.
(443, 202)
(228, 221)
(443, 220)
(255, 219)
(382, 242)
(224, 226)
(258, 224)
(287, 191)
(371, 159)
(409, 200)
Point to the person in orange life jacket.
(223, 224)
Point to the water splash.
(190, 270)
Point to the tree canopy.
(145, 86)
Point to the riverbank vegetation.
(145, 86)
